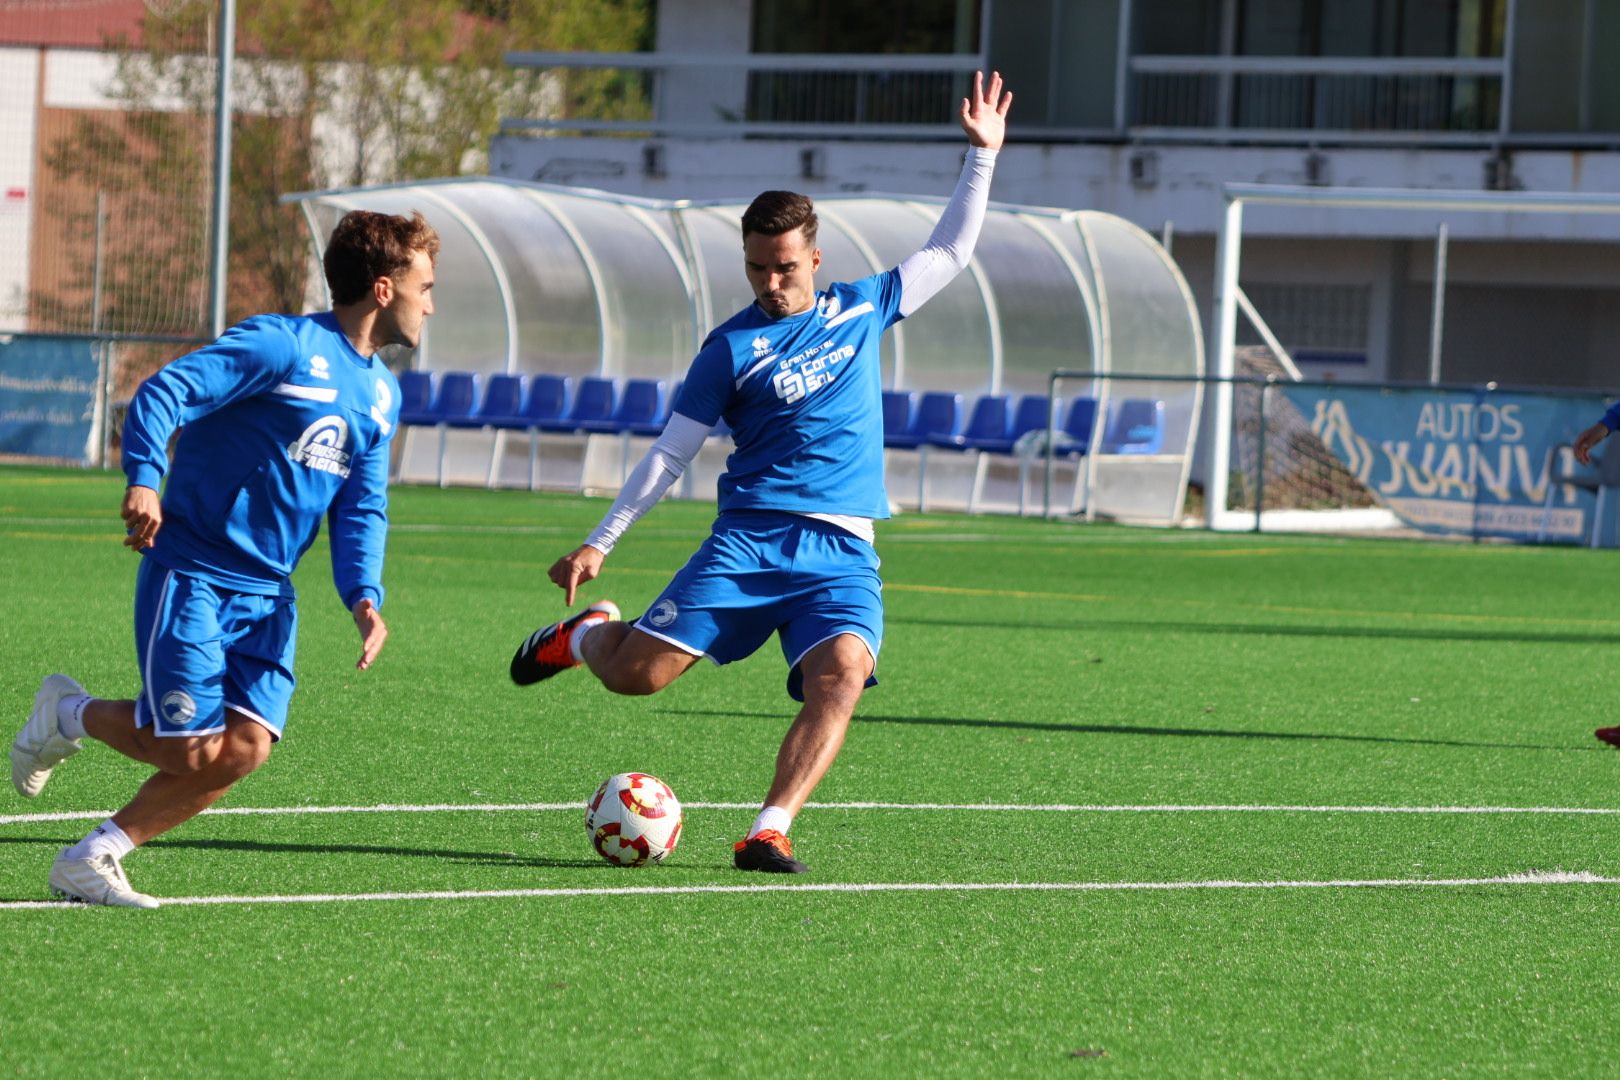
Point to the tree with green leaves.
(327, 93)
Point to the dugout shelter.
(541, 280)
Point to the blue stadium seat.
(550, 397)
(938, 413)
(498, 408)
(543, 409)
(503, 397)
(1136, 426)
(987, 426)
(1032, 414)
(642, 409)
(416, 397)
(1077, 426)
(457, 396)
(594, 403)
(453, 402)
(898, 406)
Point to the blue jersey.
(283, 422)
(803, 396)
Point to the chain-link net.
(1300, 473)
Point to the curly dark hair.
(366, 246)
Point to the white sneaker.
(40, 746)
(97, 880)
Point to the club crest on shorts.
(177, 706)
(663, 613)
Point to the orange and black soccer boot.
(767, 850)
(550, 649)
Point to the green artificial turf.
(1194, 699)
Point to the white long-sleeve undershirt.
(922, 275)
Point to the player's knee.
(227, 756)
(842, 682)
(633, 681)
(244, 748)
(189, 755)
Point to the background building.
(1145, 108)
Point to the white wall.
(19, 82)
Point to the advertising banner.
(1475, 463)
(47, 396)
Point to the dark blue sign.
(1476, 463)
(47, 396)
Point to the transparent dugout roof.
(540, 278)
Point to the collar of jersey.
(328, 321)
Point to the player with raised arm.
(284, 420)
(796, 375)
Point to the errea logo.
(762, 345)
(320, 367)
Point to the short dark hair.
(366, 246)
(773, 213)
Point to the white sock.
(105, 839)
(70, 714)
(578, 639)
(772, 817)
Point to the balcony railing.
(1206, 99)
(1346, 98)
(778, 94)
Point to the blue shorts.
(761, 572)
(204, 649)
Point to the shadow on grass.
(1138, 729)
(1392, 633)
(467, 858)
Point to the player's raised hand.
(575, 569)
(143, 516)
(984, 114)
(373, 631)
(1588, 439)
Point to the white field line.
(1027, 808)
(1531, 877)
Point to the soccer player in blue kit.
(284, 420)
(796, 375)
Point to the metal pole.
(1504, 121)
(1437, 316)
(1051, 437)
(1260, 458)
(1122, 70)
(1167, 235)
(103, 347)
(222, 165)
(1228, 46)
(1228, 254)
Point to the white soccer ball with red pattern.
(633, 819)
